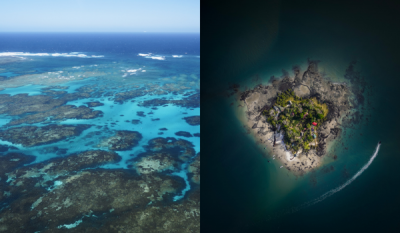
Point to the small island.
(296, 119)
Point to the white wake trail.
(333, 191)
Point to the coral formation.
(193, 120)
(34, 136)
(122, 140)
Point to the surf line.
(335, 190)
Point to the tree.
(301, 115)
(308, 126)
(320, 116)
(270, 119)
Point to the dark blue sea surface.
(117, 43)
(118, 91)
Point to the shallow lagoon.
(170, 116)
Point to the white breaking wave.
(333, 191)
(74, 54)
(157, 58)
(149, 55)
(177, 55)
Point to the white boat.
(281, 167)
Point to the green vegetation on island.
(298, 118)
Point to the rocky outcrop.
(122, 140)
(194, 169)
(34, 136)
(193, 120)
(22, 103)
(180, 147)
(192, 101)
(183, 134)
(116, 195)
(60, 166)
(60, 113)
(136, 122)
(163, 154)
(140, 113)
(121, 97)
(94, 104)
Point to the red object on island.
(315, 124)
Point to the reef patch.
(33, 136)
(122, 140)
(193, 120)
(183, 134)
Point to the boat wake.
(333, 191)
(329, 193)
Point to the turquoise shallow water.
(253, 195)
(118, 73)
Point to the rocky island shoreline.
(310, 86)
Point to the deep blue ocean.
(113, 43)
(116, 63)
